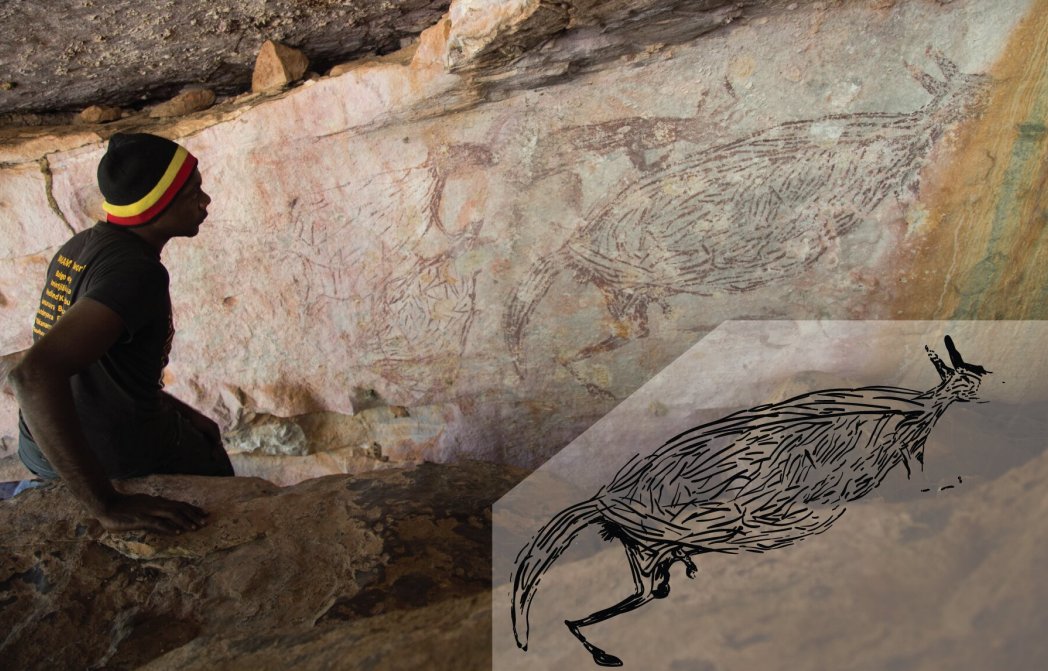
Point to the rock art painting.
(637, 137)
(412, 317)
(738, 216)
(756, 480)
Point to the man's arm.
(41, 384)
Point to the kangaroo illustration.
(756, 480)
(741, 215)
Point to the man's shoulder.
(104, 260)
(107, 246)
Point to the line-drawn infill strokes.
(756, 480)
(377, 257)
(743, 214)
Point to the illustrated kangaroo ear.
(941, 368)
(958, 362)
(955, 356)
(930, 84)
(948, 67)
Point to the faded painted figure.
(411, 317)
(741, 215)
(756, 480)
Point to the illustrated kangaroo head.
(956, 95)
(960, 383)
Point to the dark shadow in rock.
(148, 636)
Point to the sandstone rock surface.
(448, 636)
(508, 228)
(393, 567)
(526, 256)
(66, 54)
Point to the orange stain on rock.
(984, 254)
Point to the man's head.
(147, 179)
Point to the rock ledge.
(350, 566)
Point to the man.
(90, 388)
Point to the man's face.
(189, 208)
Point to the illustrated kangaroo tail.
(536, 558)
(525, 300)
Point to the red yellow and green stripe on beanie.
(139, 175)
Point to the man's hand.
(131, 512)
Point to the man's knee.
(197, 454)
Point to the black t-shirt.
(118, 398)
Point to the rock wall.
(517, 221)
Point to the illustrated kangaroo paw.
(600, 392)
(690, 568)
(689, 565)
(591, 388)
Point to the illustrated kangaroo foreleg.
(661, 578)
(654, 584)
(631, 317)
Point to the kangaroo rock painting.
(741, 215)
(754, 481)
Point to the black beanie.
(140, 175)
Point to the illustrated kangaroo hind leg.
(651, 584)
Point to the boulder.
(449, 636)
(187, 102)
(100, 114)
(277, 66)
(381, 559)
